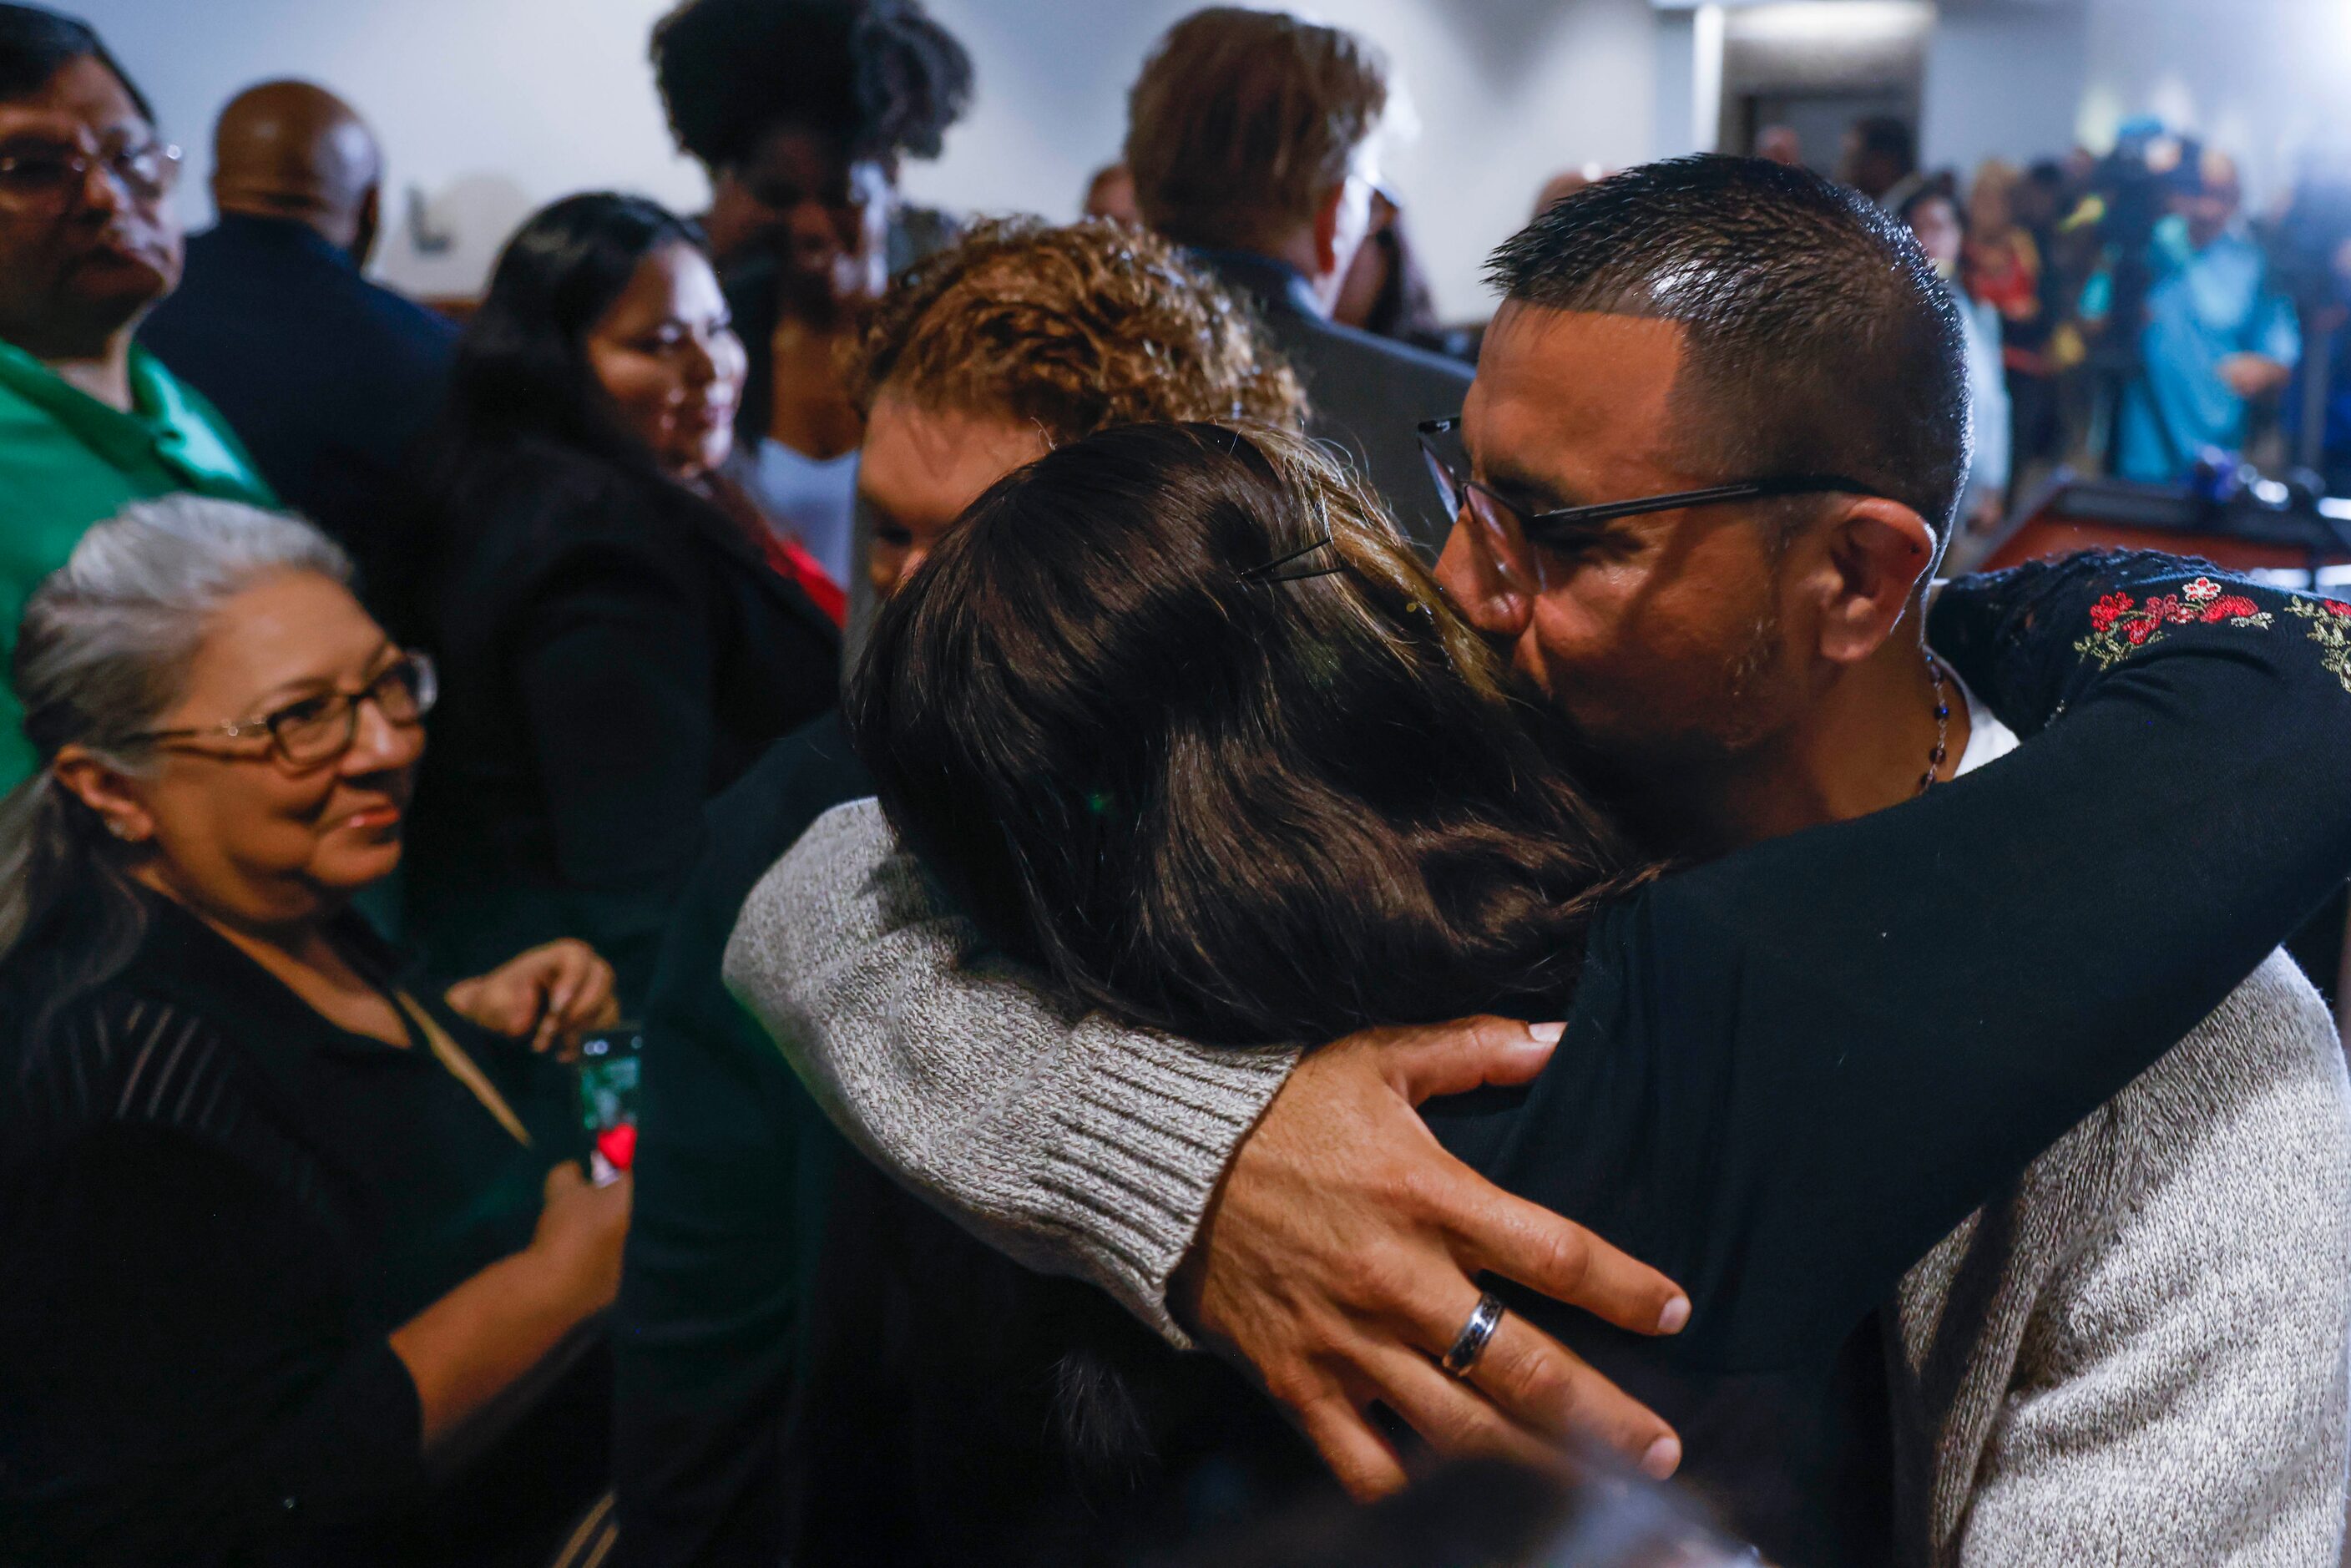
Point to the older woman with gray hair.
(300, 1267)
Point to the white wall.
(2003, 81)
(495, 106)
(492, 107)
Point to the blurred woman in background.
(1934, 215)
(622, 636)
(801, 111)
(302, 1270)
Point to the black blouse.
(614, 652)
(217, 1204)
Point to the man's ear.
(1328, 213)
(368, 226)
(1876, 553)
(106, 790)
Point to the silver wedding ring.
(1471, 1342)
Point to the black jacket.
(614, 652)
(1366, 393)
(328, 380)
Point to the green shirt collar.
(166, 424)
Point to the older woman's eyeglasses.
(1448, 469)
(315, 729)
(50, 174)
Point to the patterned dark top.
(214, 1208)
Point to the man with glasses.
(1714, 447)
(88, 246)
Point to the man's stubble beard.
(1652, 781)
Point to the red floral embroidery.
(2120, 625)
(2340, 610)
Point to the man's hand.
(1339, 1256)
(2252, 375)
(552, 994)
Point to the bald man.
(331, 380)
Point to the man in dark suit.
(1253, 139)
(330, 380)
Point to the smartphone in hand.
(609, 1063)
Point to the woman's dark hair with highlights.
(1177, 712)
(1076, 328)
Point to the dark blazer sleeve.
(185, 1370)
(614, 660)
(1792, 1070)
(733, 1173)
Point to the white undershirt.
(1987, 739)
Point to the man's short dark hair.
(1888, 137)
(880, 78)
(1820, 339)
(36, 44)
(1243, 120)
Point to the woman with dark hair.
(622, 636)
(800, 112)
(1175, 714)
(301, 1268)
(1353, 732)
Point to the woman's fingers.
(1495, 1232)
(581, 996)
(1547, 1386)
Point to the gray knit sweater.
(2138, 1358)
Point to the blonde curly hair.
(1076, 328)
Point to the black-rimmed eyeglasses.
(50, 174)
(317, 729)
(1448, 469)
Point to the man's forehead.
(82, 92)
(1575, 392)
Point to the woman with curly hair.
(800, 112)
(1021, 336)
(1016, 339)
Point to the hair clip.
(1270, 572)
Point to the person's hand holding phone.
(551, 995)
(580, 1229)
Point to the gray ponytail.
(101, 650)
